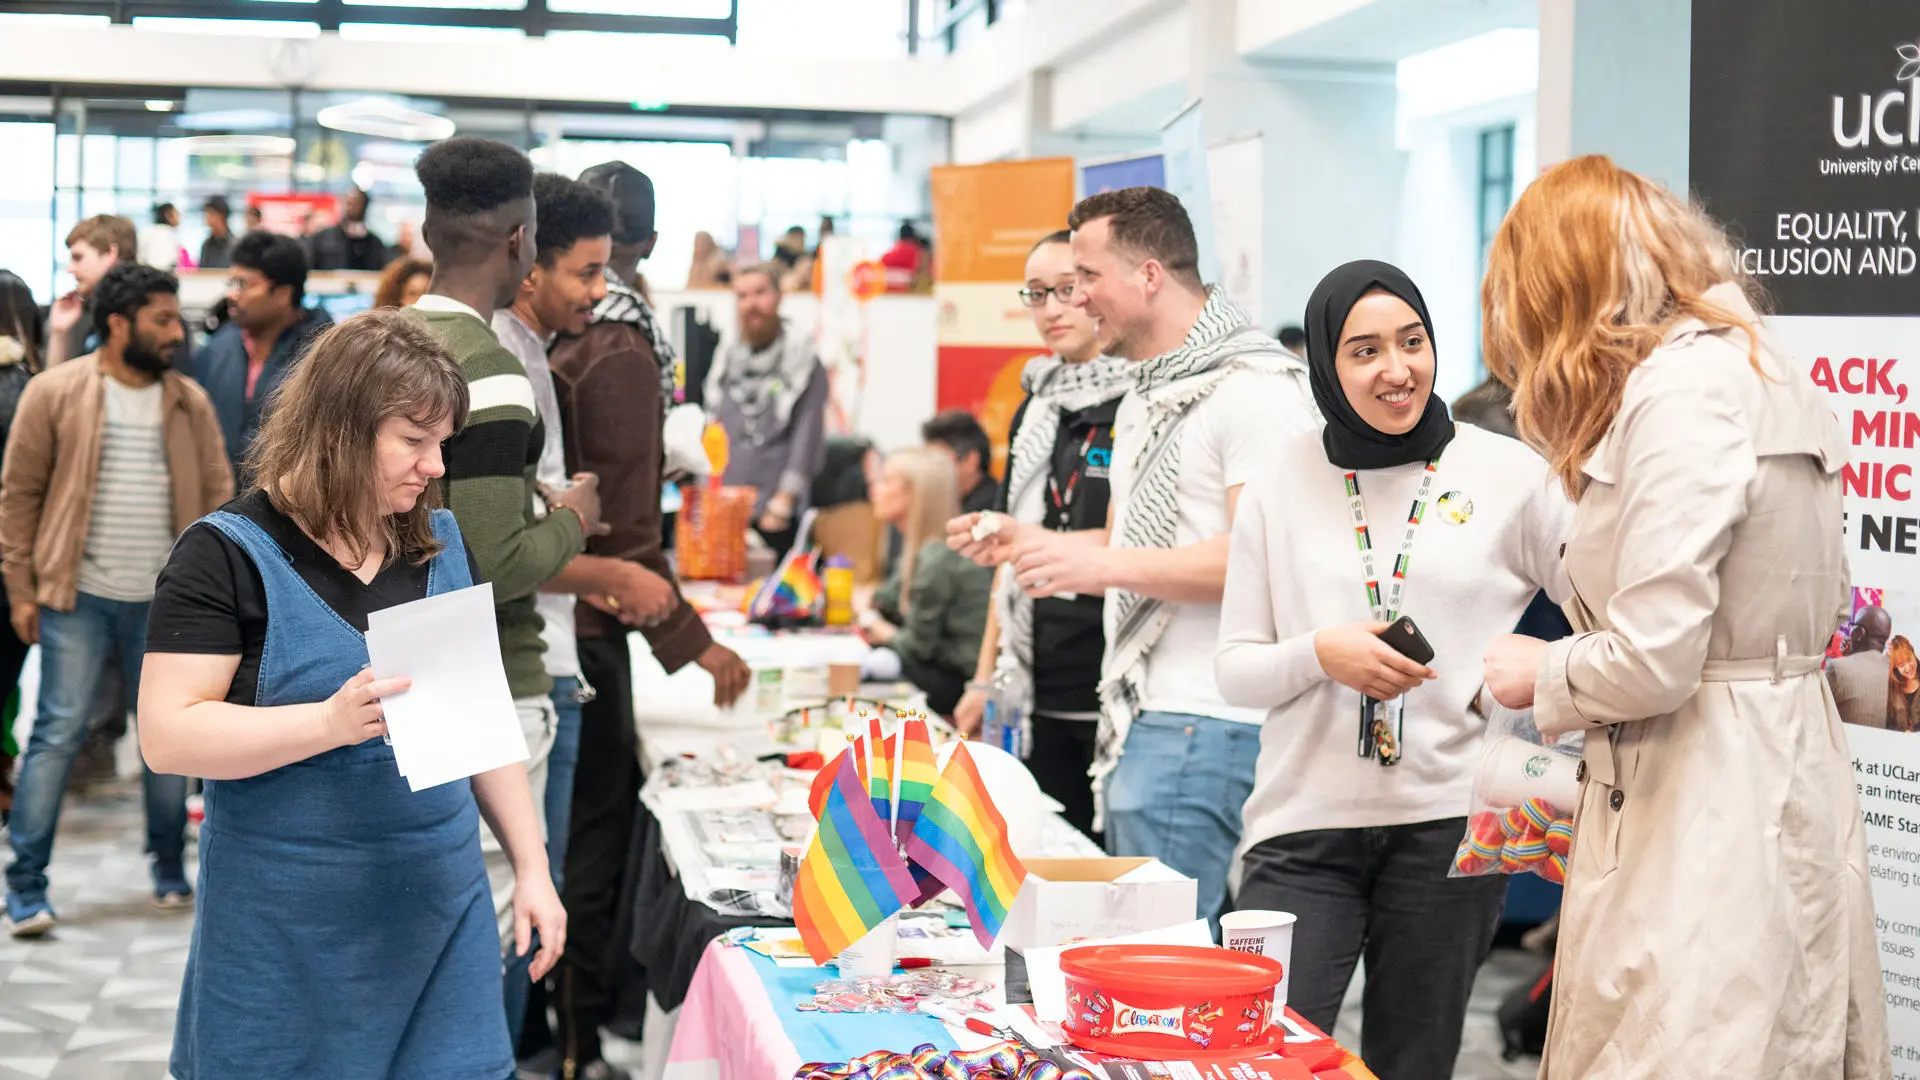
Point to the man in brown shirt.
(615, 384)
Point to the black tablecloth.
(669, 932)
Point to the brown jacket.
(608, 383)
(53, 461)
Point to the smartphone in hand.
(1406, 639)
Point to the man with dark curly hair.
(480, 224)
(111, 456)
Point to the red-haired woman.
(1717, 919)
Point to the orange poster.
(986, 218)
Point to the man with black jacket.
(348, 244)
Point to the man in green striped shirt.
(480, 225)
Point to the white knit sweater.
(1294, 569)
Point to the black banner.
(1806, 143)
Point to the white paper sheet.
(458, 718)
(1049, 986)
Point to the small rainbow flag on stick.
(852, 877)
(918, 774)
(880, 773)
(961, 839)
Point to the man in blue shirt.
(267, 335)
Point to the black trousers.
(1062, 755)
(606, 793)
(1381, 893)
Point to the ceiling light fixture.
(385, 119)
(159, 105)
(237, 145)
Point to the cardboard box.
(1066, 900)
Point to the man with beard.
(110, 457)
(769, 390)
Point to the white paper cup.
(873, 954)
(1264, 933)
(1515, 770)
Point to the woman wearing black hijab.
(1367, 759)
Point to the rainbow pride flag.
(880, 773)
(961, 839)
(918, 774)
(852, 877)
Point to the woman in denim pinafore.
(345, 927)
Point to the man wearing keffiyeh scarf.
(1211, 395)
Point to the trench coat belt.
(1782, 666)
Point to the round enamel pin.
(1455, 508)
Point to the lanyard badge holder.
(1383, 724)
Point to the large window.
(1496, 195)
(745, 180)
(1496, 183)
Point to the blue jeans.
(1176, 796)
(562, 760)
(560, 768)
(72, 645)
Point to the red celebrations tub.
(1169, 1002)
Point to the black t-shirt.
(1068, 638)
(210, 598)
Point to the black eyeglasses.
(1038, 297)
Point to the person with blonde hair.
(1717, 919)
(256, 680)
(932, 610)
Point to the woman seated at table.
(929, 615)
(345, 926)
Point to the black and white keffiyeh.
(1222, 342)
(765, 383)
(624, 304)
(1056, 389)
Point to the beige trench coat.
(1717, 920)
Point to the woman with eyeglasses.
(1060, 449)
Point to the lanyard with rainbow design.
(1380, 734)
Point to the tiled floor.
(95, 1000)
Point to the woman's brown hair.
(392, 285)
(314, 455)
(1591, 270)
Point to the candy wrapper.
(1524, 794)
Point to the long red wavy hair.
(1591, 269)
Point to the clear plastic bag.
(1524, 794)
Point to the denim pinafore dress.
(345, 928)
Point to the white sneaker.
(33, 926)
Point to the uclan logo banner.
(1805, 143)
(1870, 121)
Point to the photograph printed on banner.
(1871, 663)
